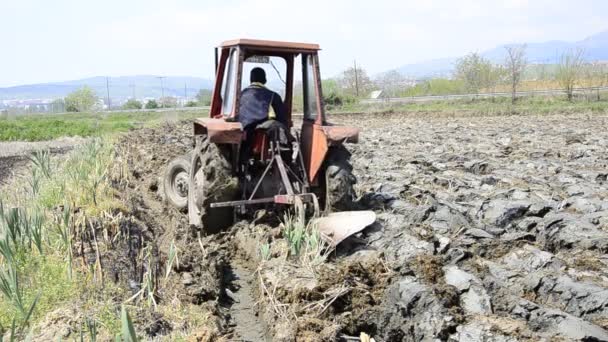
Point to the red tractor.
(310, 171)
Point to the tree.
(569, 70)
(355, 81)
(391, 83)
(474, 71)
(132, 104)
(478, 73)
(168, 102)
(80, 100)
(151, 104)
(203, 97)
(515, 65)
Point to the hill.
(120, 87)
(595, 47)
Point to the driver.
(258, 103)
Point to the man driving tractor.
(262, 108)
(258, 103)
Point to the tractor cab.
(234, 61)
(234, 169)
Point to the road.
(430, 98)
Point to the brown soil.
(478, 223)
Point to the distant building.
(377, 94)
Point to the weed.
(128, 331)
(172, 257)
(41, 160)
(265, 251)
(304, 241)
(9, 286)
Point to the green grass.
(36, 231)
(484, 107)
(51, 126)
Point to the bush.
(334, 99)
(192, 104)
(132, 104)
(204, 97)
(152, 104)
(80, 100)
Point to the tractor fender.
(340, 134)
(219, 131)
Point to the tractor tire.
(175, 181)
(338, 183)
(211, 180)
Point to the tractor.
(308, 170)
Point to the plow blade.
(338, 226)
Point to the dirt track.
(488, 229)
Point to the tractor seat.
(274, 130)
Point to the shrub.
(152, 104)
(80, 100)
(132, 104)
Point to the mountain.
(120, 87)
(595, 48)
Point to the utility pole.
(185, 92)
(356, 79)
(162, 89)
(108, 89)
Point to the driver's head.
(258, 75)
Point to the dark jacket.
(255, 104)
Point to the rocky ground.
(489, 229)
(497, 227)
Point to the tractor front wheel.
(211, 180)
(175, 181)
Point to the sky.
(45, 41)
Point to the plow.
(234, 170)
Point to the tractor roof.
(271, 44)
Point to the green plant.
(41, 160)
(148, 285)
(294, 231)
(80, 100)
(304, 241)
(265, 251)
(152, 104)
(172, 257)
(132, 104)
(128, 331)
(9, 286)
(63, 229)
(91, 328)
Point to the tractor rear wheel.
(211, 180)
(175, 181)
(338, 181)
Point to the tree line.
(473, 73)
